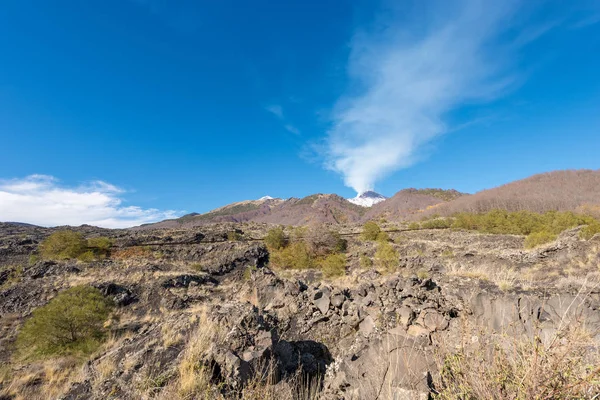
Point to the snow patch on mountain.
(367, 199)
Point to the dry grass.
(543, 364)
(44, 380)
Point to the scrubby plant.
(322, 241)
(539, 227)
(438, 223)
(413, 226)
(538, 238)
(63, 245)
(365, 262)
(233, 236)
(100, 246)
(517, 366)
(295, 256)
(383, 237)
(87, 256)
(333, 265)
(71, 323)
(370, 231)
(386, 256)
(276, 239)
(590, 230)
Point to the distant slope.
(236, 212)
(568, 190)
(317, 208)
(411, 201)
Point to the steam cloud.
(408, 77)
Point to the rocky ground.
(191, 302)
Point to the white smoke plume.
(410, 71)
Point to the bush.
(100, 246)
(590, 230)
(538, 238)
(276, 239)
(294, 256)
(386, 256)
(366, 262)
(71, 323)
(370, 231)
(62, 245)
(383, 237)
(233, 236)
(413, 226)
(334, 265)
(322, 241)
(440, 223)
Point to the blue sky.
(122, 112)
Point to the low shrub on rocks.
(62, 245)
(67, 244)
(334, 265)
(71, 323)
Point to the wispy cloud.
(41, 200)
(277, 110)
(408, 73)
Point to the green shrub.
(538, 238)
(294, 256)
(71, 323)
(334, 265)
(370, 231)
(233, 236)
(322, 241)
(413, 226)
(276, 239)
(386, 256)
(383, 237)
(33, 258)
(590, 230)
(440, 223)
(87, 256)
(366, 262)
(100, 243)
(62, 245)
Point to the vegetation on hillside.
(442, 194)
(539, 228)
(571, 190)
(71, 323)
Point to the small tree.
(63, 245)
(370, 231)
(334, 265)
(323, 241)
(72, 322)
(386, 256)
(276, 239)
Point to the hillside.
(316, 208)
(410, 201)
(568, 190)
